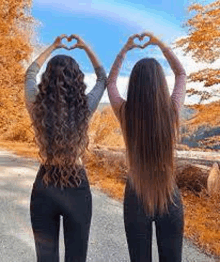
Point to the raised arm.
(115, 99)
(31, 89)
(95, 95)
(179, 91)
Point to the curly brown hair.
(60, 118)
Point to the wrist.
(124, 49)
(86, 47)
(162, 46)
(120, 56)
(52, 47)
(123, 52)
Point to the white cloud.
(122, 84)
(191, 66)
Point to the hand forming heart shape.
(59, 44)
(68, 43)
(131, 44)
(81, 44)
(141, 38)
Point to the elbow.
(105, 80)
(28, 72)
(102, 82)
(33, 69)
(102, 78)
(182, 72)
(181, 75)
(109, 86)
(101, 74)
(105, 83)
(27, 77)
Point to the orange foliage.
(203, 39)
(105, 175)
(105, 129)
(202, 221)
(209, 76)
(15, 34)
(207, 115)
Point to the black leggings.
(138, 227)
(46, 207)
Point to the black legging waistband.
(42, 170)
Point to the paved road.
(107, 239)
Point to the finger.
(133, 46)
(63, 36)
(134, 36)
(144, 46)
(146, 33)
(73, 36)
(61, 46)
(137, 46)
(141, 37)
(64, 46)
(147, 43)
(73, 46)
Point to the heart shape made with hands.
(78, 41)
(141, 38)
(67, 40)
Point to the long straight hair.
(151, 128)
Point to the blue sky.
(106, 25)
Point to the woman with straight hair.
(149, 121)
(60, 112)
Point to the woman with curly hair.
(149, 121)
(60, 113)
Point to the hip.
(39, 184)
(131, 199)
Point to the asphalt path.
(107, 241)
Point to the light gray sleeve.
(95, 95)
(31, 88)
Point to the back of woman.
(60, 117)
(149, 121)
(60, 112)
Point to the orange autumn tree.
(203, 42)
(16, 31)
